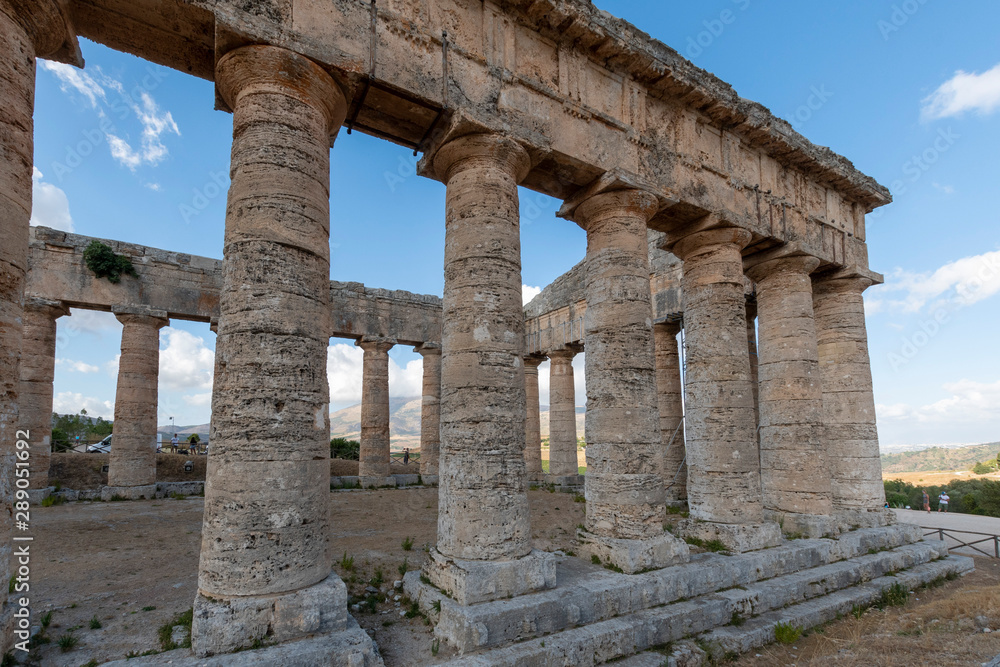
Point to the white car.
(102, 447)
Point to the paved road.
(970, 522)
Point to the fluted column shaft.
(671, 408)
(562, 415)
(625, 494)
(723, 460)
(267, 503)
(430, 409)
(374, 459)
(38, 365)
(848, 401)
(133, 445)
(794, 472)
(532, 425)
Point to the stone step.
(634, 633)
(587, 594)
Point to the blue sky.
(908, 90)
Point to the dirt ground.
(132, 566)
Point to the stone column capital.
(47, 24)
(54, 309)
(705, 241)
(532, 362)
(616, 203)
(488, 150)
(141, 315)
(759, 268)
(670, 327)
(425, 349)
(376, 345)
(842, 283)
(272, 69)
(561, 356)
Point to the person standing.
(943, 502)
(927, 501)
(173, 443)
(406, 456)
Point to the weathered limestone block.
(374, 458)
(532, 425)
(28, 29)
(483, 507)
(38, 364)
(267, 508)
(723, 457)
(848, 401)
(671, 408)
(562, 414)
(794, 473)
(430, 408)
(624, 482)
(133, 446)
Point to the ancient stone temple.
(702, 211)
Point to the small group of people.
(191, 447)
(942, 501)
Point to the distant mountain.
(404, 422)
(184, 431)
(939, 458)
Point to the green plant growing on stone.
(103, 261)
(149, 608)
(165, 632)
(424, 579)
(857, 611)
(595, 559)
(404, 566)
(67, 642)
(436, 606)
(435, 647)
(736, 619)
(893, 596)
(46, 620)
(95, 623)
(786, 633)
(413, 611)
(347, 562)
(377, 578)
(51, 501)
(407, 544)
(579, 498)
(90, 663)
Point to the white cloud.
(960, 283)
(69, 403)
(186, 363)
(345, 366)
(969, 401)
(528, 293)
(155, 187)
(76, 79)
(49, 205)
(155, 123)
(111, 367)
(203, 400)
(947, 189)
(89, 321)
(964, 92)
(76, 366)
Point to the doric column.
(38, 365)
(724, 493)
(532, 425)
(484, 534)
(374, 460)
(848, 402)
(754, 359)
(562, 417)
(430, 411)
(265, 558)
(132, 469)
(28, 29)
(795, 477)
(671, 409)
(624, 482)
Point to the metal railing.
(984, 537)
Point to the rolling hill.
(939, 458)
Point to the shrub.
(103, 261)
(407, 544)
(342, 448)
(95, 623)
(68, 642)
(786, 633)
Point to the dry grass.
(937, 628)
(937, 477)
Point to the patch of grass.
(413, 611)
(386, 624)
(613, 568)
(90, 663)
(117, 498)
(95, 623)
(786, 633)
(595, 559)
(677, 511)
(435, 646)
(714, 546)
(569, 552)
(347, 562)
(50, 501)
(165, 632)
(857, 611)
(893, 596)
(407, 544)
(67, 642)
(579, 498)
(378, 578)
(149, 608)
(737, 620)
(46, 619)
(424, 579)
(403, 567)
(177, 496)
(436, 606)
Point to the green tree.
(193, 439)
(342, 448)
(982, 469)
